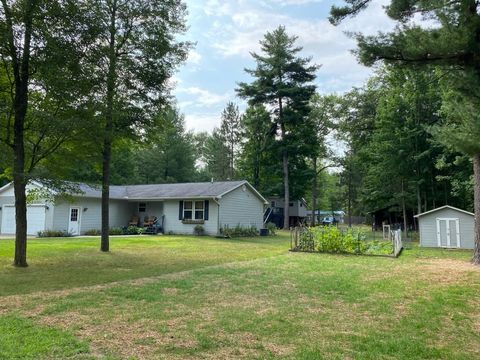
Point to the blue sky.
(227, 31)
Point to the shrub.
(133, 230)
(239, 231)
(53, 233)
(115, 231)
(92, 232)
(199, 230)
(272, 228)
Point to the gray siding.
(428, 228)
(240, 207)
(173, 224)
(90, 214)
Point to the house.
(297, 211)
(213, 205)
(446, 227)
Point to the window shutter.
(206, 209)
(180, 210)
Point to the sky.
(227, 31)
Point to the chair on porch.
(149, 221)
(133, 221)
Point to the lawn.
(175, 297)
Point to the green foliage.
(282, 81)
(133, 230)
(53, 233)
(115, 231)
(331, 239)
(199, 230)
(238, 231)
(272, 228)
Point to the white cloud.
(194, 57)
(202, 121)
(203, 97)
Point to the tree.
(282, 82)
(136, 54)
(322, 114)
(452, 45)
(231, 131)
(167, 154)
(42, 45)
(217, 165)
(255, 156)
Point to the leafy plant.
(272, 228)
(115, 231)
(199, 230)
(53, 233)
(133, 230)
(238, 231)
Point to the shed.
(446, 227)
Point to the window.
(273, 204)
(74, 214)
(290, 204)
(194, 210)
(187, 209)
(142, 207)
(199, 210)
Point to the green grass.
(206, 298)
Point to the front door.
(448, 232)
(74, 221)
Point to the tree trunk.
(108, 136)
(476, 171)
(350, 190)
(286, 212)
(21, 73)
(314, 191)
(19, 185)
(404, 210)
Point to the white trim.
(252, 189)
(439, 241)
(448, 232)
(79, 218)
(193, 209)
(445, 207)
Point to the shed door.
(448, 232)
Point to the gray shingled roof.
(164, 191)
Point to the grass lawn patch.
(255, 300)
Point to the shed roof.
(445, 207)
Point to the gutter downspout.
(218, 215)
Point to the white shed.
(446, 227)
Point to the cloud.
(203, 97)
(194, 57)
(202, 121)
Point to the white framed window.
(187, 210)
(194, 210)
(142, 207)
(199, 210)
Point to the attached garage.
(447, 227)
(35, 219)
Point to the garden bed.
(332, 240)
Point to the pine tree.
(231, 132)
(452, 45)
(283, 82)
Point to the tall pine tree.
(283, 83)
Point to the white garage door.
(35, 219)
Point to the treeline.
(395, 157)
